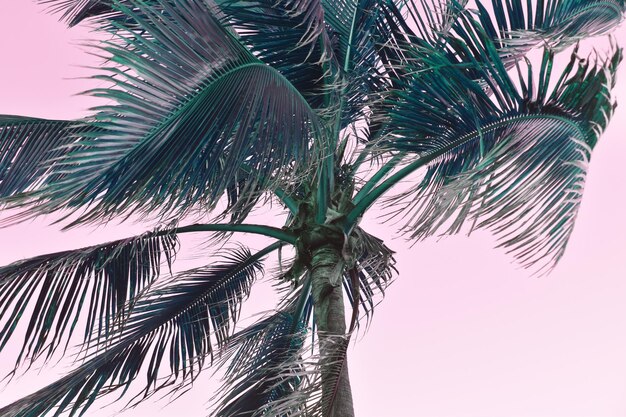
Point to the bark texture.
(327, 291)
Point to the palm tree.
(320, 108)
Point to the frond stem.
(258, 229)
(289, 202)
(371, 183)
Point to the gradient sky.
(462, 332)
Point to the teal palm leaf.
(327, 51)
(510, 160)
(290, 37)
(27, 148)
(516, 26)
(95, 283)
(273, 371)
(175, 320)
(374, 271)
(358, 28)
(559, 23)
(194, 107)
(75, 11)
(266, 363)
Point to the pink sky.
(462, 332)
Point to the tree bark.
(327, 291)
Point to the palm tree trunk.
(327, 291)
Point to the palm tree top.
(319, 107)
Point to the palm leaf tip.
(559, 23)
(74, 12)
(580, 18)
(28, 149)
(94, 283)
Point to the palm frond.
(515, 26)
(74, 12)
(273, 371)
(374, 267)
(95, 283)
(303, 19)
(288, 35)
(357, 29)
(557, 23)
(242, 197)
(28, 146)
(429, 20)
(175, 321)
(514, 163)
(298, 389)
(345, 18)
(266, 362)
(326, 49)
(194, 107)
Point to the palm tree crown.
(320, 107)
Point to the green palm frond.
(95, 283)
(558, 23)
(327, 50)
(242, 197)
(240, 103)
(344, 19)
(75, 11)
(28, 146)
(289, 36)
(305, 395)
(516, 26)
(175, 321)
(357, 29)
(99, 12)
(266, 362)
(374, 268)
(273, 371)
(194, 107)
(513, 160)
(428, 20)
